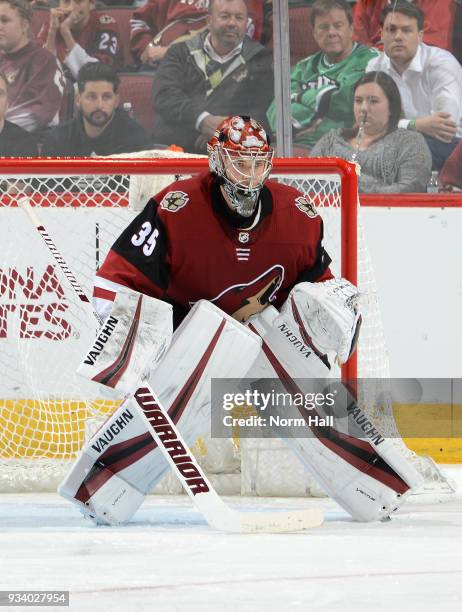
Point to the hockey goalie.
(228, 260)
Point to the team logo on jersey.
(174, 200)
(105, 19)
(240, 75)
(247, 299)
(305, 206)
(243, 237)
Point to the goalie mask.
(240, 155)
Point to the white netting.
(44, 408)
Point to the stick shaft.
(24, 203)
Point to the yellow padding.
(56, 429)
(46, 429)
(442, 450)
(432, 429)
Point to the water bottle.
(433, 184)
(128, 108)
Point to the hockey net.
(46, 411)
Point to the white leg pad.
(366, 475)
(208, 344)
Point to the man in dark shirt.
(100, 128)
(14, 141)
(218, 73)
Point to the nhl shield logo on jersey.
(174, 200)
(305, 206)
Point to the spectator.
(159, 23)
(391, 159)
(36, 83)
(14, 141)
(218, 73)
(438, 26)
(322, 84)
(451, 174)
(77, 34)
(100, 128)
(429, 79)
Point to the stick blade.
(281, 522)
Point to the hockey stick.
(188, 471)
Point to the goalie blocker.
(121, 464)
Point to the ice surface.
(167, 558)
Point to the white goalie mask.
(240, 155)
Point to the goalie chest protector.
(183, 249)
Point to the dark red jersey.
(100, 38)
(36, 86)
(451, 172)
(166, 21)
(186, 246)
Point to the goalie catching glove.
(329, 313)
